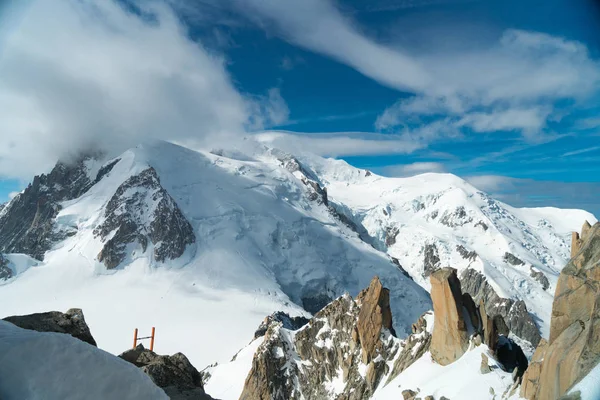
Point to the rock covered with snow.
(71, 323)
(343, 352)
(27, 223)
(287, 322)
(141, 211)
(175, 374)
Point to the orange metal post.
(135, 338)
(152, 340)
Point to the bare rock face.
(141, 211)
(71, 323)
(514, 313)
(532, 375)
(375, 314)
(450, 337)
(574, 345)
(174, 374)
(349, 341)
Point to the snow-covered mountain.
(203, 245)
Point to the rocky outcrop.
(512, 259)
(431, 259)
(484, 368)
(375, 314)
(466, 254)
(350, 341)
(174, 374)
(391, 232)
(577, 240)
(514, 313)
(71, 323)
(540, 277)
(417, 344)
(287, 322)
(450, 337)
(5, 271)
(27, 224)
(141, 211)
(573, 348)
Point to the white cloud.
(339, 144)
(317, 25)
(12, 195)
(403, 170)
(82, 73)
(522, 75)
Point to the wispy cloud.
(338, 144)
(517, 83)
(581, 151)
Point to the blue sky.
(503, 93)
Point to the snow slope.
(36, 365)
(262, 245)
(445, 211)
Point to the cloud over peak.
(76, 74)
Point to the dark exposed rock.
(27, 225)
(400, 267)
(540, 277)
(409, 394)
(315, 302)
(514, 313)
(5, 271)
(458, 217)
(291, 323)
(482, 224)
(175, 374)
(390, 235)
(473, 311)
(511, 357)
(71, 323)
(142, 211)
(431, 259)
(466, 254)
(512, 259)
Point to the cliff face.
(450, 333)
(573, 348)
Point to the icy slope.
(36, 365)
(262, 244)
(438, 220)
